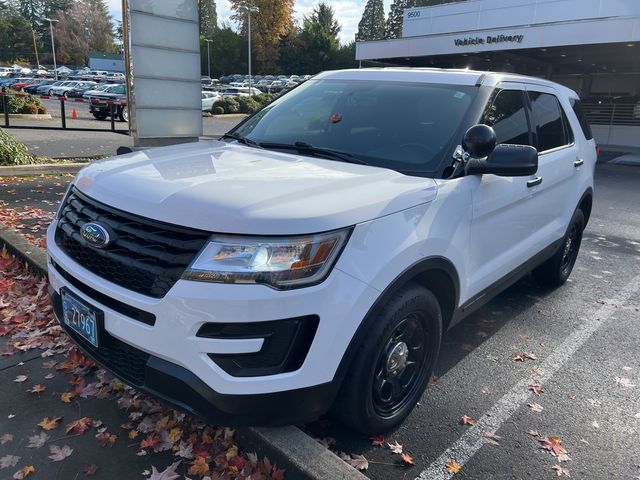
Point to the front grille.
(144, 255)
(122, 359)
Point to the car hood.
(231, 188)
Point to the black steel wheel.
(392, 366)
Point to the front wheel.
(123, 114)
(393, 365)
(555, 271)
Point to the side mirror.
(506, 161)
(479, 141)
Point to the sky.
(348, 13)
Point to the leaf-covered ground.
(53, 376)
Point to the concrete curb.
(43, 169)
(30, 116)
(289, 447)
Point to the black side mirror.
(479, 141)
(506, 161)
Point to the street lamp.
(208, 56)
(250, 9)
(53, 46)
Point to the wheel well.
(585, 205)
(444, 288)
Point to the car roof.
(441, 76)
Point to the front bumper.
(177, 364)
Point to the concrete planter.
(29, 116)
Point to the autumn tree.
(372, 24)
(272, 22)
(208, 18)
(86, 27)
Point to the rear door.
(558, 159)
(503, 232)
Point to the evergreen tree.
(372, 25)
(208, 18)
(396, 15)
(325, 16)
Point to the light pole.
(250, 10)
(53, 46)
(208, 56)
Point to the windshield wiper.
(304, 147)
(241, 139)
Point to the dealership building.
(591, 46)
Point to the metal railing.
(613, 114)
(113, 107)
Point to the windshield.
(403, 126)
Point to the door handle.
(535, 182)
(578, 163)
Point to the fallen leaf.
(199, 467)
(133, 434)
(536, 388)
(452, 467)
(49, 423)
(90, 470)
(395, 447)
(359, 462)
(561, 471)
(169, 473)
(553, 445)
(595, 424)
(79, 426)
(533, 433)
(49, 376)
(67, 396)
(537, 370)
(20, 378)
(406, 458)
(465, 420)
(7, 437)
(377, 441)
(37, 441)
(106, 440)
(536, 407)
(24, 472)
(58, 454)
(624, 382)
(492, 438)
(9, 461)
(517, 358)
(37, 389)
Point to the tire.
(100, 116)
(123, 114)
(555, 271)
(366, 401)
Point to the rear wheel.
(393, 365)
(123, 114)
(555, 271)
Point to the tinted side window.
(547, 118)
(508, 117)
(582, 118)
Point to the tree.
(83, 29)
(273, 21)
(371, 26)
(396, 13)
(16, 41)
(324, 16)
(208, 18)
(228, 52)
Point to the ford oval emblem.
(95, 234)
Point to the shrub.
(29, 108)
(41, 109)
(230, 105)
(13, 152)
(23, 104)
(218, 110)
(248, 105)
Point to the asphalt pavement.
(584, 339)
(55, 142)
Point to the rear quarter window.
(582, 118)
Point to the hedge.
(246, 105)
(30, 105)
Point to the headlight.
(280, 262)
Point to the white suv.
(315, 255)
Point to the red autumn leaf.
(106, 440)
(553, 445)
(377, 441)
(465, 420)
(79, 426)
(90, 470)
(151, 441)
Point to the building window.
(508, 117)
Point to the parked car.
(240, 92)
(81, 89)
(98, 90)
(352, 240)
(32, 88)
(208, 99)
(100, 106)
(64, 87)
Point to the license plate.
(80, 317)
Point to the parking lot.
(578, 343)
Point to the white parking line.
(473, 439)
